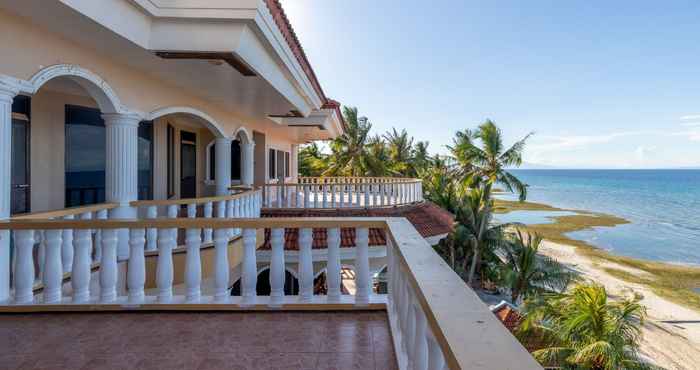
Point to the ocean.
(663, 207)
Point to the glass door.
(21, 188)
(188, 165)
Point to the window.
(235, 161)
(280, 164)
(84, 156)
(272, 156)
(286, 164)
(171, 161)
(145, 160)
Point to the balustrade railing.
(242, 205)
(343, 192)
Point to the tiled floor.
(270, 340)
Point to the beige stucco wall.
(35, 48)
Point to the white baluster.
(317, 199)
(221, 269)
(41, 255)
(306, 267)
(164, 269)
(136, 272)
(332, 194)
(362, 275)
(420, 343)
(249, 278)
(108, 266)
(173, 211)
(342, 195)
(101, 215)
(53, 269)
(208, 213)
(151, 232)
(333, 265)
(306, 196)
(24, 268)
(192, 210)
(229, 214)
(237, 213)
(288, 194)
(193, 263)
(436, 360)
(324, 195)
(366, 199)
(80, 277)
(277, 268)
(67, 247)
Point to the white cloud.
(557, 143)
(691, 117)
(642, 153)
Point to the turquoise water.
(663, 207)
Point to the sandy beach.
(671, 333)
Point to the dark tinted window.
(145, 158)
(84, 156)
(236, 160)
(271, 164)
(286, 164)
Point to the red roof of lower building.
(429, 219)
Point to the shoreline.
(671, 334)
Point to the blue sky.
(603, 84)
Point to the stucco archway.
(208, 121)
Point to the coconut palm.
(420, 159)
(526, 273)
(486, 163)
(439, 186)
(377, 160)
(349, 150)
(474, 211)
(582, 329)
(311, 161)
(400, 150)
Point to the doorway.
(188, 165)
(20, 162)
(259, 156)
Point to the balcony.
(429, 318)
(342, 192)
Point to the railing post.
(333, 265)
(362, 267)
(306, 268)
(24, 268)
(80, 277)
(249, 278)
(136, 274)
(221, 269)
(108, 266)
(164, 269)
(66, 249)
(193, 266)
(208, 213)
(277, 267)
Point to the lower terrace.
(141, 270)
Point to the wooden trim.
(170, 202)
(197, 223)
(66, 212)
(229, 58)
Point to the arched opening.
(183, 134)
(347, 281)
(59, 140)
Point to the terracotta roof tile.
(427, 218)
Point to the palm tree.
(400, 150)
(487, 164)
(475, 213)
(581, 329)
(311, 161)
(526, 273)
(349, 150)
(439, 186)
(377, 160)
(420, 159)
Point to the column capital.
(7, 91)
(227, 140)
(122, 119)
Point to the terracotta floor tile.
(345, 361)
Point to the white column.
(306, 268)
(136, 274)
(333, 265)
(223, 165)
(277, 267)
(248, 163)
(362, 277)
(249, 278)
(121, 175)
(7, 93)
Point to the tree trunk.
(472, 269)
